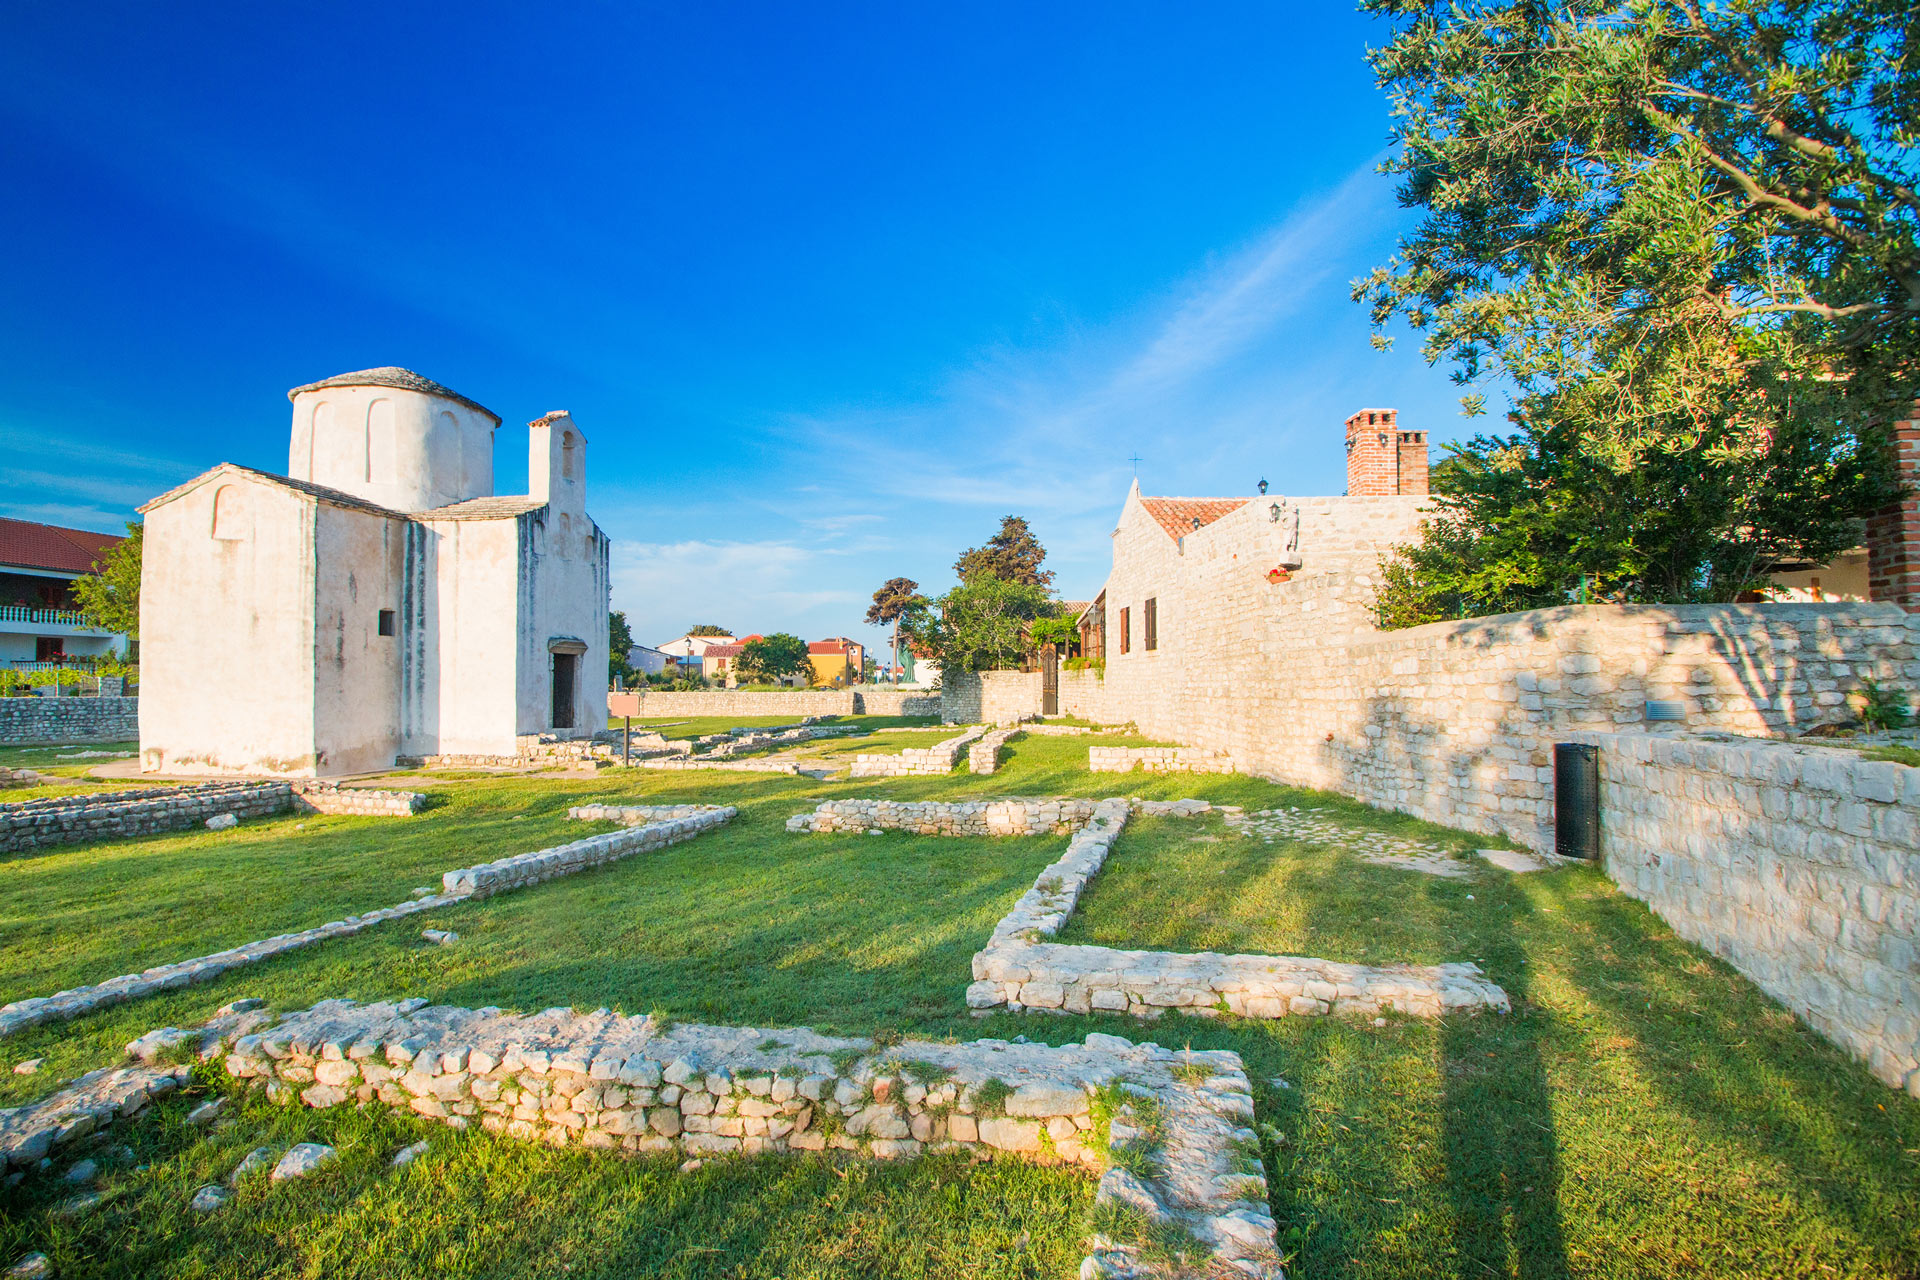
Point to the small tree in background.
(708, 629)
(775, 657)
(1011, 555)
(896, 599)
(109, 597)
(980, 625)
(619, 645)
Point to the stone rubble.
(155, 810)
(31, 1133)
(1308, 827)
(302, 1159)
(937, 760)
(1020, 970)
(635, 1084)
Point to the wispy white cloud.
(753, 586)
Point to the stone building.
(377, 601)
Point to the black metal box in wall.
(1576, 800)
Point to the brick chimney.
(1382, 460)
(1893, 533)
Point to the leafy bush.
(1883, 707)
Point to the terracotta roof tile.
(1176, 515)
(50, 546)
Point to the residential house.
(838, 661)
(39, 621)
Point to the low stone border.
(634, 1084)
(1017, 968)
(1012, 817)
(364, 802)
(19, 778)
(156, 810)
(984, 755)
(1158, 760)
(734, 766)
(29, 1134)
(937, 760)
(1066, 730)
(523, 869)
(461, 885)
(1309, 827)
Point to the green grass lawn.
(67, 768)
(1185, 884)
(1644, 1111)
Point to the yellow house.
(838, 661)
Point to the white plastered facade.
(301, 626)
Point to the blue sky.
(829, 288)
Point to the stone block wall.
(1799, 866)
(1014, 817)
(896, 702)
(562, 860)
(798, 703)
(1157, 760)
(1456, 721)
(67, 721)
(117, 815)
(362, 802)
(936, 760)
(990, 697)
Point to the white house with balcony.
(379, 600)
(39, 623)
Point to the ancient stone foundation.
(1013, 817)
(146, 811)
(637, 1085)
(937, 760)
(1021, 970)
(1158, 760)
(545, 864)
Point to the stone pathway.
(1309, 826)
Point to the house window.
(1126, 630)
(229, 513)
(386, 622)
(1150, 623)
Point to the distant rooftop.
(401, 379)
(30, 545)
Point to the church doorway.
(563, 673)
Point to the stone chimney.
(1893, 533)
(1382, 460)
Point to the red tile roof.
(831, 646)
(1176, 515)
(49, 546)
(723, 650)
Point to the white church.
(377, 601)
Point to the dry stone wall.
(119, 815)
(936, 760)
(545, 864)
(984, 755)
(600, 1080)
(65, 721)
(363, 802)
(896, 702)
(1798, 866)
(1012, 817)
(990, 697)
(1157, 760)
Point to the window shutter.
(1150, 623)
